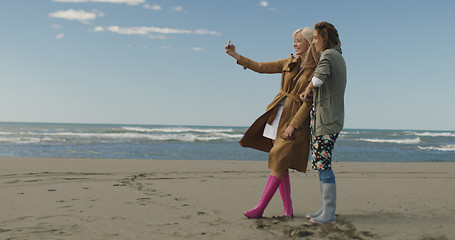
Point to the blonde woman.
(283, 130)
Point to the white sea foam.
(24, 140)
(187, 137)
(447, 148)
(349, 133)
(224, 135)
(30, 137)
(398, 141)
(177, 130)
(433, 134)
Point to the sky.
(163, 62)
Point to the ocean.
(54, 140)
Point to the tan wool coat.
(284, 154)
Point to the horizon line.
(192, 125)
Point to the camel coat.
(284, 154)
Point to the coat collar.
(337, 49)
(293, 61)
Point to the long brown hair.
(329, 34)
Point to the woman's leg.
(322, 147)
(328, 191)
(278, 174)
(285, 191)
(272, 185)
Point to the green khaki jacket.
(328, 100)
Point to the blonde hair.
(307, 33)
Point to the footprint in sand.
(10, 182)
(343, 229)
(144, 201)
(34, 180)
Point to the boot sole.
(252, 217)
(323, 222)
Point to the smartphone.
(229, 43)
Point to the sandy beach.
(183, 199)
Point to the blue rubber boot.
(329, 197)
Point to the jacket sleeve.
(302, 114)
(324, 67)
(262, 67)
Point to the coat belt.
(294, 97)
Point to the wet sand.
(185, 199)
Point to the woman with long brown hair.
(327, 115)
(283, 130)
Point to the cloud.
(61, 35)
(153, 7)
(79, 15)
(205, 32)
(56, 26)
(145, 30)
(178, 8)
(98, 29)
(162, 37)
(264, 4)
(197, 49)
(129, 2)
(149, 30)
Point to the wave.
(6, 133)
(447, 148)
(31, 137)
(350, 132)
(25, 140)
(345, 133)
(433, 134)
(176, 130)
(398, 141)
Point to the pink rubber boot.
(272, 185)
(285, 191)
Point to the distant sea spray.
(207, 143)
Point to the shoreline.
(57, 198)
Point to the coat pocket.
(328, 116)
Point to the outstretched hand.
(230, 49)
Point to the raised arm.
(260, 67)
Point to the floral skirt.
(321, 148)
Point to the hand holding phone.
(230, 49)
